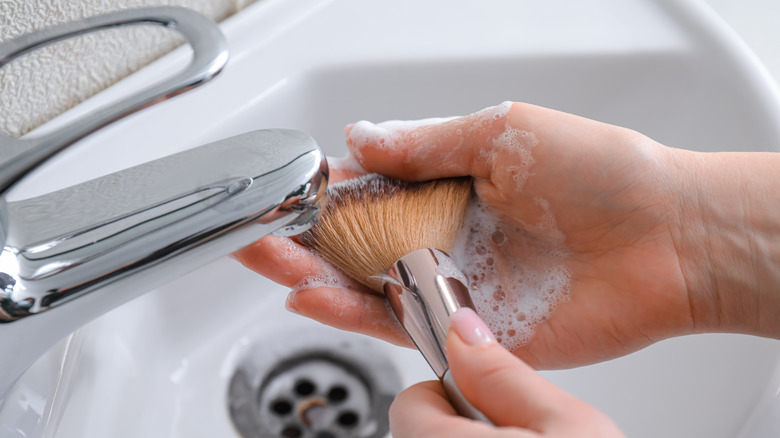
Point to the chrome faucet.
(72, 255)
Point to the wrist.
(729, 240)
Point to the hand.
(519, 402)
(636, 220)
(320, 291)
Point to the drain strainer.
(323, 384)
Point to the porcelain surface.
(669, 69)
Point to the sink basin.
(161, 365)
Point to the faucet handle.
(161, 219)
(73, 254)
(19, 156)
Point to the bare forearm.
(730, 228)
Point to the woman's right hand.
(519, 402)
(640, 225)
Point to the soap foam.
(514, 286)
(447, 267)
(512, 146)
(392, 134)
(332, 277)
(348, 163)
(291, 251)
(328, 276)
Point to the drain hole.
(281, 407)
(348, 419)
(313, 386)
(305, 387)
(292, 432)
(337, 394)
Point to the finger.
(348, 309)
(280, 259)
(343, 168)
(423, 410)
(321, 292)
(506, 390)
(502, 141)
(428, 149)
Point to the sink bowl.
(162, 365)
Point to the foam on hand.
(514, 287)
(328, 276)
(447, 268)
(390, 135)
(333, 278)
(385, 135)
(512, 149)
(346, 163)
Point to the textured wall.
(43, 84)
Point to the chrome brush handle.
(19, 156)
(424, 288)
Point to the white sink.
(160, 365)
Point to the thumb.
(508, 391)
(428, 149)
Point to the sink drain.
(322, 384)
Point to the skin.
(529, 405)
(661, 242)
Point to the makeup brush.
(393, 237)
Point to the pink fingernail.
(470, 327)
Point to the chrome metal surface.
(210, 54)
(138, 228)
(135, 229)
(424, 288)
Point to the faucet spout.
(71, 255)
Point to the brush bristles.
(372, 221)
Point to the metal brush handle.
(424, 288)
(459, 401)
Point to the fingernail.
(470, 327)
(289, 303)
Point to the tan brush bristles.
(372, 221)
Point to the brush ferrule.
(424, 289)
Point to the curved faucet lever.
(133, 230)
(250, 185)
(210, 54)
(74, 254)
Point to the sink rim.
(236, 27)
